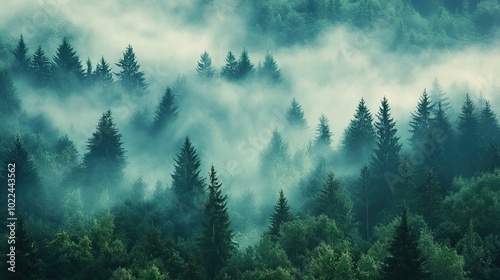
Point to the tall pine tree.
(130, 77)
(421, 122)
(405, 259)
(40, 67)
(334, 202)
(280, 215)
(230, 69)
(21, 62)
(166, 112)
(204, 68)
(295, 115)
(489, 130)
(468, 139)
(323, 133)
(216, 243)
(67, 65)
(102, 74)
(359, 137)
(245, 67)
(269, 71)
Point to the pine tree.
(281, 215)
(30, 195)
(334, 202)
(21, 61)
(102, 74)
(359, 137)
(404, 260)
(205, 68)
(230, 69)
(269, 70)
(216, 242)
(489, 130)
(323, 133)
(295, 115)
(105, 157)
(385, 161)
(245, 67)
(468, 139)
(40, 67)
(275, 156)
(67, 64)
(437, 95)
(9, 102)
(187, 183)
(421, 122)
(428, 197)
(88, 75)
(166, 112)
(129, 77)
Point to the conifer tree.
(359, 137)
(269, 70)
(186, 180)
(230, 69)
(88, 75)
(489, 130)
(245, 67)
(21, 61)
(9, 102)
(66, 63)
(334, 202)
(166, 112)
(30, 195)
(275, 156)
(295, 115)
(468, 139)
(404, 260)
(281, 215)
(205, 68)
(105, 157)
(323, 133)
(437, 95)
(102, 74)
(365, 192)
(428, 197)
(421, 122)
(40, 67)
(216, 242)
(130, 77)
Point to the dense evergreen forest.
(252, 163)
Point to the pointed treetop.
(21, 61)
(324, 135)
(230, 69)
(204, 67)
(130, 77)
(67, 61)
(245, 66)
(281, 215)
(295, 115)
(270, 70)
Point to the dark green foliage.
(404, 260)
(280, 215)
(230, 69)
(204, 68)
(67, 65)
(468, 139)
(295, 115)
(488, 130)
(130, 77)
(334, 202)
(421, 122)
(359, 137)
(21, 62)
(269, 70)
(9, 102)
(102, 74)
(245, 67)
(428, 197)
(166, 112)
(364, 193)
(216, 242)
(105, 157)
(475, 254)
(323, 133)
(40, 67)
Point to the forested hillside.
(250, 140)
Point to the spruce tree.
(437, 95)
(30, 195)
(323, 133)
(359, 137)
(166, 112)
(216, 241)
(187, 183)
(421, 122)
(9, 102)
(67, 64)
(269, 71)
(88, 75)
(40, 67)
(404, 260)
(385, 160)
(102, 74)
(281, 215)
(295, 115)
(428, 197)
(468, 139)
(230, 69)
(245, 67)
(334, 202)
(130, 77)
(489, 130)
(21, 62)
(105, 157)
(205, 68)
(275, 156)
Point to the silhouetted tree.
(216, 241)
(40, 67)
(488, 130)
(205, 68)
(280, 215)
(437, 95)
(102, 74)
(130, 77)
(468, 139)
(275, 156)
(230, 69)
(323, 133)
(245, 67)
(404, 260)
(67, 65)
(359, 137)
(295, 115)
(166, 111)
(269, 70)
(21, 63)
(421, 122)
(88, 75)
(334, 202)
